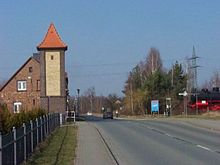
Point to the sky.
(107, 38)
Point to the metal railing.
(18, 145)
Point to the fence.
(18, 145)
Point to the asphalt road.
(157, 142)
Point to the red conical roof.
(52, 40)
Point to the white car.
(89, 114)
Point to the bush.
(9, 120)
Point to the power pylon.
(193, 70)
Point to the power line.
(101, 74)
(102, 65)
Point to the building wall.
(53, 97)
(53, 73)
(31, 97)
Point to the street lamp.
(78, 108)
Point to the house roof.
(29, 59)
(52, 40)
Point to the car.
(108, 115)
(89, 113)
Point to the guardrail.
(18, 145)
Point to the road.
(132, 142)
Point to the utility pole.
(131, 96)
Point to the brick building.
(41, 81)
(22, 90)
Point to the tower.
(193, 70)
(52, 71)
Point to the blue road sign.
(154, 106)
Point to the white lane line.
(183, 140)
(205, 148)
(168, 135)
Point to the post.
(78, 105)
(184, 94)
(41, 129)
(185, 105)
(197, 112)
(37, 131)
(32, 136)
(0, 147)
(25, 142)
(47, 126)
(15, 147)
(61, 119)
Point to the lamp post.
(78, 108)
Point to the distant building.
(41, 81)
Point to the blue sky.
(106, 39)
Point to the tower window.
(51, 57)
(38, 85)
(30, 69)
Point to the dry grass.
(58, 149)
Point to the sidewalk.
(91, 150)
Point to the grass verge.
(58, 149)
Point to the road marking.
(180, 139)
(205, 148)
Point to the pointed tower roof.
(52, 40)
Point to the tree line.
(149, 80)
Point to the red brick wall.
(10, 94)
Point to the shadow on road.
(97, 119)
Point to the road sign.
(154, 106)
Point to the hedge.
(9, 120)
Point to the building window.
(22, 85)
(17, 107)
(34, 102)
(51, 57)
(30, 69)
(38, 85)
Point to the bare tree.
(213, 82)
(153, 62)
(91, 94)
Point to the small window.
(51, 57)
(22, 85)
(34, 102)
(38, 85)
(30, 69)
(17, 107)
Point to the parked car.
(108, 115)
